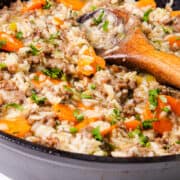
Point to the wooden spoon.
(135, 50)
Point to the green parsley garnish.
(144, 140)
(38, 100)
(78, 116)
(93, 86)
(14, 105)
(134, 133)
(177, 142)
(86, 95)
(73, 130)
(148, 124)
(19, 35)
(146, 15)
(153, 95)
(34, 51)
(97, 134)
(3, 65)
(47, 5)
(167, 30)
(53, 73)
(105, 26)
(115, 116)
(2, 43)
(99, 19)
(166, 109)
(93, 8)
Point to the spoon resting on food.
(125, 43)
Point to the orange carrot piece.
(64, 112)
(33, 5)
(131, 125)
(85, 123)
(175, 13)
(108, 130)
(58, 21)
(174, 39)
(89, 66)
(175, 104)
(144, 3)
(18, 127)
(162, 125)
(147, 113)
(9, 43)
(74, 4)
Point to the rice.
(43, 84)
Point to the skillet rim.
(83, 157)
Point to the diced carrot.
(64, 112)
(175, 104)
(36, 81)
(175, 13)
(144, 3)
(74, 4)
(58, 21)
(88, 66)
(85, 123)
(162, 125)
(9, 43)
(147, 113)
(131, 125)
(18, 127)
(108, 130)
(80, 105)
(33, 5)
(174, 40)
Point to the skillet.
(22, 160)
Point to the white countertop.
(2, 177)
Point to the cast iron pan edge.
(92, 158)
(51, 151)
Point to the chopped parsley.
(86, 95)
(99, 19)
(13, 105)
(34, 51)
(134, 133)
(2, 43)
(177, 142)
(73, 130)
(38, 100)
(146, 15)
(19, 35)
(93, 8)
(93, 86)
(3, 65)
(97, 134)
(143, 140)
(148, 124)
(153, 98)
(167, 30)
(68, 89)
(105, 26)
(166, 109)
(47, 5)
(115, 116)
(79, 117)
(53, 73)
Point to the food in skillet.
(56, 90)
